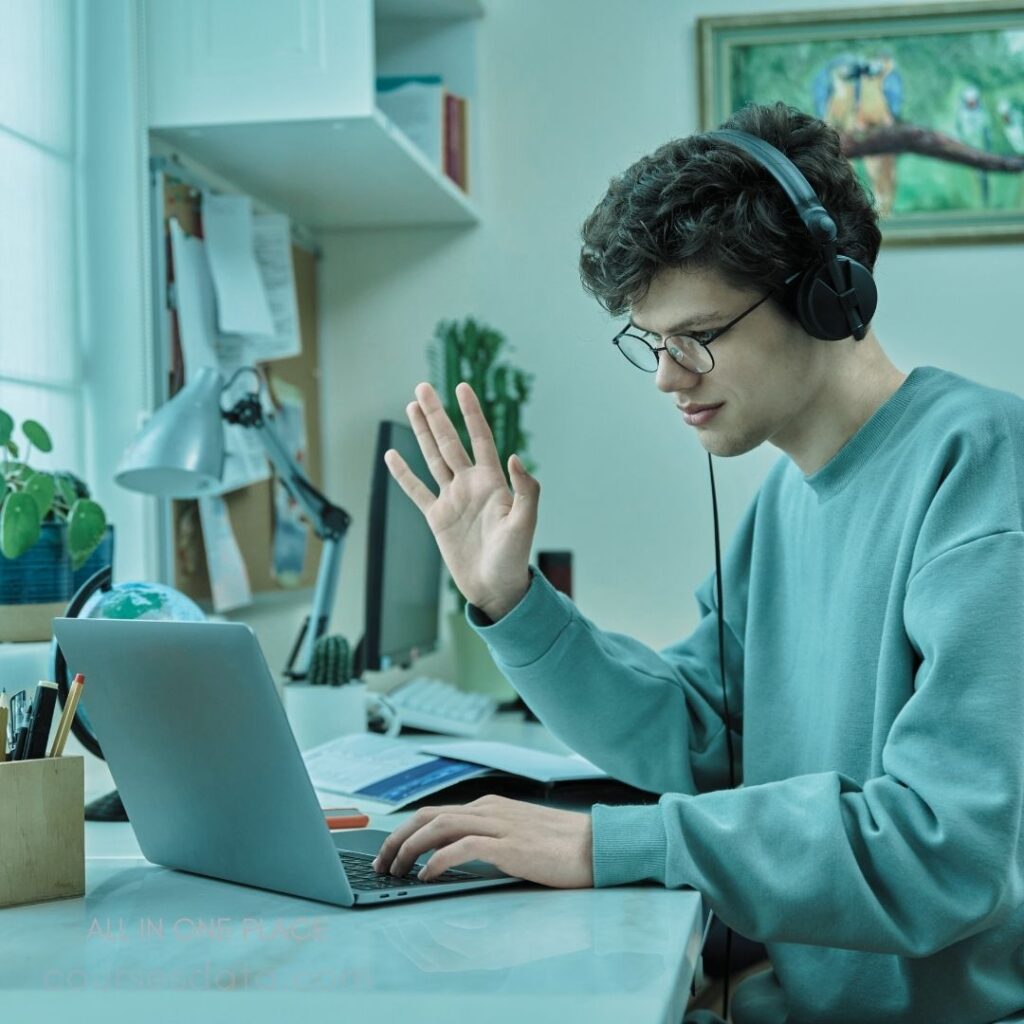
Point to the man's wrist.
(500, 607)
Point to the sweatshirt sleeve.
(920, 857)
(652, 719)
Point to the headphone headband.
(837, 297)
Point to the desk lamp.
(179, 453)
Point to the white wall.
(570, 93)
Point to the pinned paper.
(229, 578)
(202, 345)
(272, 239)
(242, 306)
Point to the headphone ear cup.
(817, 304)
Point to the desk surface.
(226, 952)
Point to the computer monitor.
(403, 564)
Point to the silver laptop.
(209, 772)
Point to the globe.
(142, 601)
(131, 601)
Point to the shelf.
(428, 9)
(327, 174)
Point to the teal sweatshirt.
(874, 634)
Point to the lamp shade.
(179, 453)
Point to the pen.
(17, 716)
(67, 716)
(41, 719)
(4, 711)
(20, 742)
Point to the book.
(382, 774)
(415, 103)
(432, 118)
(456, 146)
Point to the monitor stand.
(518, 704)
(106, 808)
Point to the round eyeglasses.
(690, 351)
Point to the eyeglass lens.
(689, 354)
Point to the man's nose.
(673, 377)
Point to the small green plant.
(31, 497)
(470, 351)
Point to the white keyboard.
(438, 706)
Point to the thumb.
(524, 486)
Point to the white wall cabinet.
(278, 96)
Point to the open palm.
(483, 530)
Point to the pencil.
(4, 711)
(67, 716)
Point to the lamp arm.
(330, 524)
(329, 521)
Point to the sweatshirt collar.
(844, 465)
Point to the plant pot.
(39, 584)
(474, 667)
(41, 575)
(35, 587)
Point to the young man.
(873, 606)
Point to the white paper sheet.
(532, 764)
(202, 345)
(242, 305)
(272, 241)
(229, 578)
(390, 772)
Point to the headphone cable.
(725, 707)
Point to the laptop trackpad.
(369, 840)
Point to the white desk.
(147, 943)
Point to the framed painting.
(928, 100)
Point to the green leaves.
(41, 487)
(37, 435)
(86, 523)
(65, 489)
(19, 524)
(29, 496)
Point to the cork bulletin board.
(251, 509)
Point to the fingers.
(472, 847)
(480, 435)
(429, 828)
(445, 436)
(421, 495)
(390, 846)
(439, 469)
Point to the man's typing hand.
(541, 844)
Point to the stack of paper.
(393, 773)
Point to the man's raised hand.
(484, 531)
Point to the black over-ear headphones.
(835, 297)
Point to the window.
(39, 311)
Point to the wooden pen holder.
(42, 830)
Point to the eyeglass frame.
(715, 335)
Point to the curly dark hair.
(700, 203)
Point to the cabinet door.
(243, 61)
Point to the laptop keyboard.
(359, 868)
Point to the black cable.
(725, 707)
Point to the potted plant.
(469, 351)
(49, 528)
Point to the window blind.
(40, 373)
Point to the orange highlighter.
(345, 817)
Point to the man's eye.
(703, 337)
